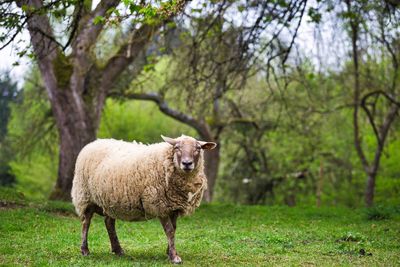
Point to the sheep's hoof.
(85, 251)
(176, 260)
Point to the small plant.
(352, 244)
(351, 237)
(10, 196)
(378, 213)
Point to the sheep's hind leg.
(112, 234)
(87, 216)
(170, 232)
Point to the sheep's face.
(187, 151)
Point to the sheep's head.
(187, 151)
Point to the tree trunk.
(369, 191)
(67, 158)
(77, 123)
(290, 199)
(211, 159)
(72, 140)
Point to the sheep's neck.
(182, 185)
(181, 180)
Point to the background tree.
(211, 63)
(380, 112)
(76, 81)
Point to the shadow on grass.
(153, 257)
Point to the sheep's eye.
(176, 148)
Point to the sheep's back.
(125, 172)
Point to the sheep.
(136, 182)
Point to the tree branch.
(40, 30)
(200, 126)
(135, 44)
(354, 25)
(43, 42)
(294, 34)
(88, 31)
(370, 116)
(383, 133)
(14, 35)
(80, 11)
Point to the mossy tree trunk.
(75, 85)
(75, 131)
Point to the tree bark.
(370, 189)
(70, 146)
(211, 160)
(72, 138)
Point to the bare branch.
(370, 117)
(354, 25)
(42, 37)
(200, 126)
(43, 42)
(295, 33)
(16, 33)
(79, 12)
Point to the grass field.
(48, 233)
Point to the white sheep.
(134, 182)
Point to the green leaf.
(148, 67)
(22, 53)
(134, 8)
(25, 8)
(98, 19)
(314, 15)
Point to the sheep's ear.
(169, 140)
(207, 145)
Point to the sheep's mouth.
(187, 169)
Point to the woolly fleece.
(133, 181)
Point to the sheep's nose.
(187, 163)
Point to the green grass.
(48, 234)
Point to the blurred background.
(301, 96)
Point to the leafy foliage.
(33, 140)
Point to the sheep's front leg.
(112, 234)
(169, 230)
(173, 218)
(87, 216)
